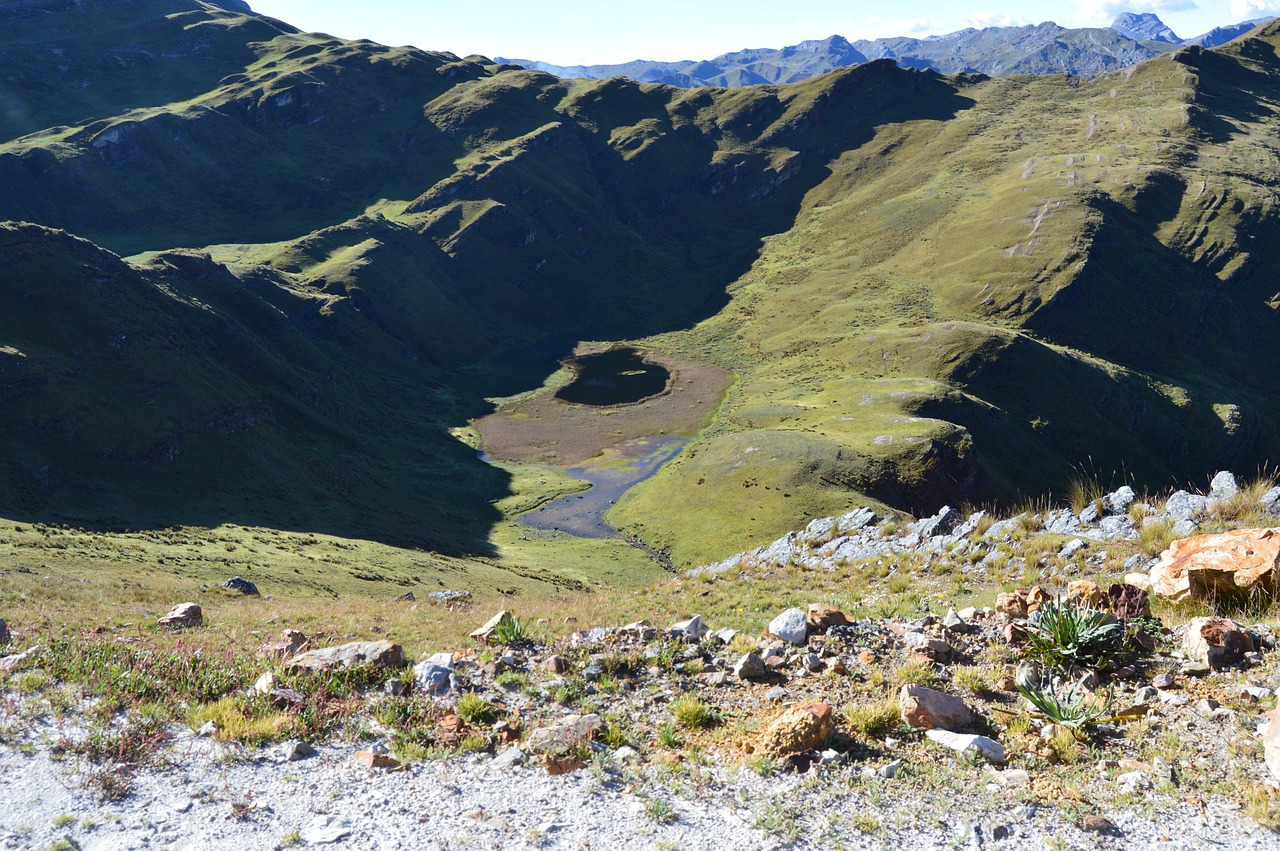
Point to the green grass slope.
(929, 289)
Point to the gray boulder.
(242, 585)
(1118, 501)
(942, 523)
(1223, 486)
(380, 654)
(1185, 506)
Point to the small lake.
(628, 464)
(615, 377)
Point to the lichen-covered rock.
(565, 734)
(1210, 567)
(798, 728)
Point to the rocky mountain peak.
(1144, 26)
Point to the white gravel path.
(463, 803)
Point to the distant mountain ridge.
(1045, 48)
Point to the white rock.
(265, 683)
(790, 626)
(990, 749)
(692, 628)
(325, 830)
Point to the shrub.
(511, 630)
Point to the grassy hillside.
(929, 289)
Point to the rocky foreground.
(1072, 713)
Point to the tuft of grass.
(692, 713)
(973, 678)
(1082, 491)
(1155, 537)
(916, 672)
(873, 720)
(1262, 804)
(474, 709)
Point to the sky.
(582, 32)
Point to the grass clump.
(873, 720)
(1262, 804)
(1155, 537)
(692, 713)
(474, 709)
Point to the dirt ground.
(547, 430)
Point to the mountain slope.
(930, 289)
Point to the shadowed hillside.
(931, 289)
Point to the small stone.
(265, 683)
(1255, 692)
(564, 735)
(1072, 547)
(296, 750)
(284, 698)
(712, 678)
(625, 755)
(1223, 486)
(776, 694)
(1118, 501)
(692, 629)
(1133, 781)
(379, 654)
(1215, 642)
(433, 679)
(791, 626)
(325, 830)
(396, 687)
(1163, 681)
(749, 667)
(989, 749)
(821, 618)
(813, 663)
(5, 637)
(797, 729)
(1271, 743)
(725, 636)
(1146, 694)
(370, 759)
(509, 758)
(183, 616)
(555, 664)
(207, 731)
(1096, 824)
(890, 771)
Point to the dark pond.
(614, 377)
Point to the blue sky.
(570, 32)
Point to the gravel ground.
(213, 798)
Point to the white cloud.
(1103, 12)
(1244, 10)
(982, 20)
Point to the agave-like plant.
(1074, 707)
(1064, 635)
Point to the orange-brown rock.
(1022, 602)
(369, 759)
(932, 710)
(1231, 565)
(1082, 592)
(822, 617)
(796, 729)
